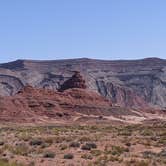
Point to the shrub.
(148, 154)
(49, 155)
(147, 132)
(25, 136)
(63, 147)
(21, 149)
(5, 162)
(91, 145)
(85, 139)
(59, 139)
(128, 144)
(1, 143)
(87, 156)
(163, 153)
(136, 163)
(75, 144)
(36, 142)
(96, 152)
(49, 140)
(85, 147)
(68, 156)
(118, 150)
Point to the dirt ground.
(99, 144)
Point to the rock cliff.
(129, 83)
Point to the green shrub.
(75, 144)
(85, 139)
(49, 140)
(96, 152)
(91, 145)
(85, 147)
(5, 162)
(118, 150)
(21, 149)
(36, 142)
(136, 163)
(87, 156)
(68, 156)
(63, 147)
(49, 155)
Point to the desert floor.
(83, 145)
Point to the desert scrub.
(74, 144)
(49, 155)
(49, 140)
(87, 156)
(68, 156)
(125, 132)
(85, 139)
(21, 149)
(147, 132)
(85, 147)
(96, 152)
(115, 158)
(69, 138)
(59, 139)
(63, 146)
(148, 154)
(89, 146)
(2, 143)
(25, 136)
(36, 142)
(101, 161)
(162, 140)
(128, 144)
(135, 162)
(162, 153)
(5, 162)
(118, 150)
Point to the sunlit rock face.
(135, 83)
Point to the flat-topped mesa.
(76, 81)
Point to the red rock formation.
(32, 104)
(76, 81)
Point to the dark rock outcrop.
(76, 81)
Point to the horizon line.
(83, 58)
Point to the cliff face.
(136, 83)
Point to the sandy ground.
(107, 141)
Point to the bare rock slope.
(135, 83)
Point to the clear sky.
(103, 29)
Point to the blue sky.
(102, 29)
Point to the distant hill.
(129, 83)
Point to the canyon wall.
(129, 83)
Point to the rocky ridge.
(33, 105)
(129, 83)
